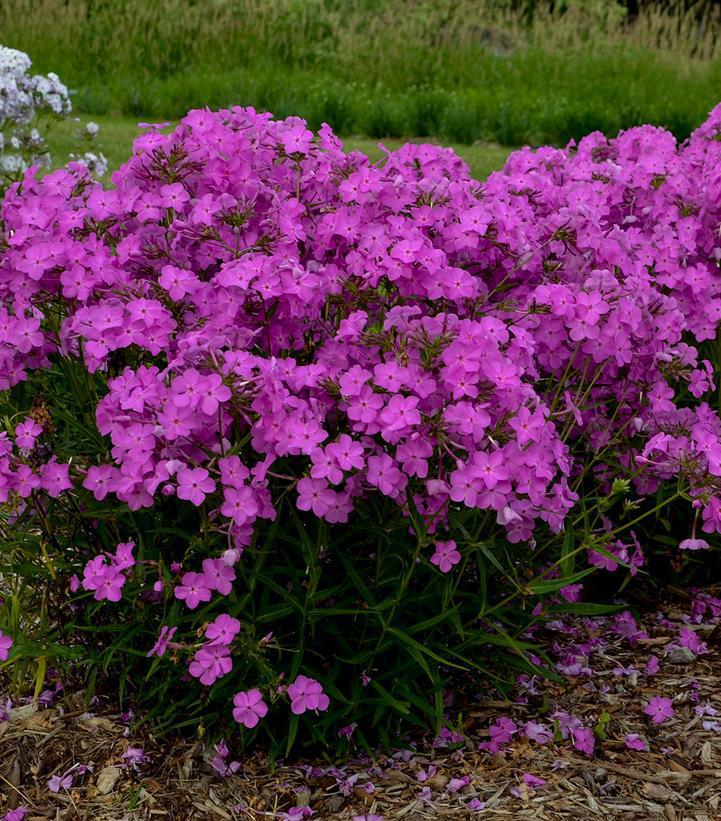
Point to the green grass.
(461, 70)
(117, 133)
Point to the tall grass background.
(461, 70)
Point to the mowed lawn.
(117, 134)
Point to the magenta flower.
(100, 480)
(383, 473)
(659, 709)
(501, 732)
(400, 413)
(210, 663)
(5, 644)
(307, 694)
(60, 782)
(18, 814)
(457, 784)
(135, 756)
(124, 558)
(240, 504)
(26, 433)
(636, 742)
(446, 556)
(55, 478)
(315, 495)
(105, 580)
(194, 484)
(193, 589)
(690, 638)
(538, 732)
(218, 575)
(693, 544)
(173, 195)
(583, 740)
(249, 708)
(161, 645)
(223, 630)
(652, 666)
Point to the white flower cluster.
(23, 95)
(24, 98)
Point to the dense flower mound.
(269, 329)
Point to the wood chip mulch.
(677, 779)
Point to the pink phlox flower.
(566, 722)
(531, 780)
(501, 732)
(193, 590)
(223, 630)
(457, 784)
(583, 740)
(135, 756)
(161, 645)
(636, 742)
(210, 663)
(424, 775)
(689, 638)
(194, 484)
(27, 432)
(249, 708)
(124, 558)
(5, 644)
(307, 694)
(652, 666)
(693, 544)
(18, 814)
(538, 732)
(446, 556)
(659, 709)
(218, 575)
(105, 579)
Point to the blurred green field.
(117, 133)
(508, 72)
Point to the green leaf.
(409, 642)
(390, 700)
(292, 732)
(541, 586)
(361, 586)
(586, 608)
(568, 558)
(40, 676)
(603, 722)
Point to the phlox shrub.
(294, 441)
(28, 104)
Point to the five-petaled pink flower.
(446, 556)
(223, 630)
(194, 484)
(659, 709)
(307, 694)
(193, 590)
(249, 708)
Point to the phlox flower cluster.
(25, 99)
(272, 318)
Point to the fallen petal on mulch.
(640, 769)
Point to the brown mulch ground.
(679, 779)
